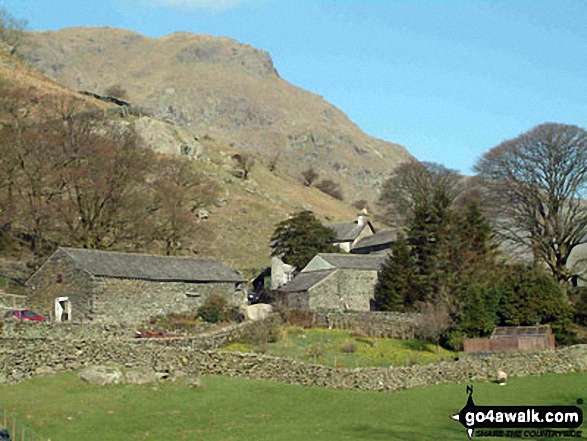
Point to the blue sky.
(447, 79)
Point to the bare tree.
(244, 163)
(536, 187)
(414, 184)
(433, 321)
(331, 188)
(274, 161)
(309, 176)
(179, 191)
(11, 30)
(116, 91)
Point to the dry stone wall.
(24, 358)
(375, 324)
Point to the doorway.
(62, 309)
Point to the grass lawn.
(340, 348)
(63, 408)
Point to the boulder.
(101, 375)
(140, 376)
(256, 312)
(44, 370)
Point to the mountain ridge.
(223, 89)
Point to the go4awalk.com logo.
(519, 421)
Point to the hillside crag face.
(226, 90)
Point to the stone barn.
(340, 282)
(88, 285)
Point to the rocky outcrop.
(221, 88)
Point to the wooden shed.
(513, 338)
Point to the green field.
(63, 408)
(341, 348)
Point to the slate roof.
(521, 331)
(348, 231)
(377, 239)
(150, 267)
(354, 261)
(305, 281)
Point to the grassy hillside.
(64, 408)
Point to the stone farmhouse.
(87, 285)
(348, 234)
(357, 237)
(341, 282)
(375, 243)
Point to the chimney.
(362, 217)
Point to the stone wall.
(246, 331)
(69, 330)
(373, 323)
(344, 290)
(111, 300)
(22, 358)
(130, 301)
(59, 277)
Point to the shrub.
(213, 310)
(331, 188)
(581, 308)
(309, 176)
(349, 347)
(316, 350)
(358, 333)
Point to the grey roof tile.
(354, 261)
(305, 281)
(151, 267)
(377, 239)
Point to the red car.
(24, 314)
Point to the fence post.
(22, 433)
(14, 427)
(5, 426)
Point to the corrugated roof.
(521, 331)
(377, 239)
(305, 281)
(354, 261)
(150, 267)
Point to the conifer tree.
(300, 238)
(394, 289)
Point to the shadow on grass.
(417, 345)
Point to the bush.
(316, 350)
(331, 188)
(581, 308)
(213, 310)
(358, 333)
(349, 347)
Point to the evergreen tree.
(427, 235)
(394, 290)
(299, 239)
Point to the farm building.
(82, 285)
(348, 234)
(513, 338)
(343, 282)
